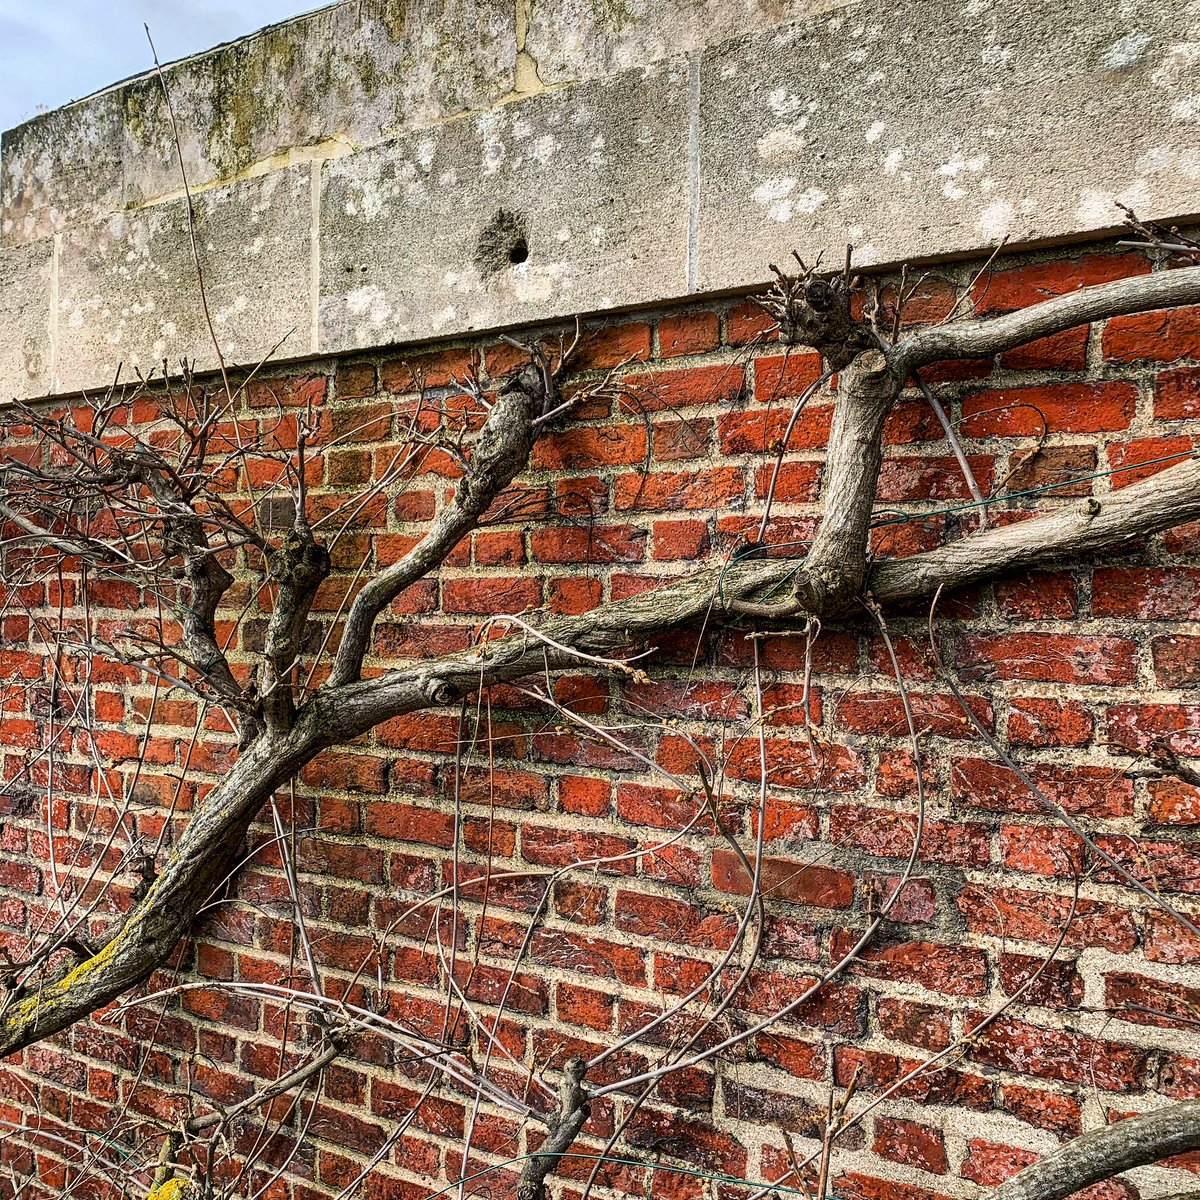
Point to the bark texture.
(1103, 1153)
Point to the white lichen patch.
(370, 302)
(995, 220)
(1098, 208)
(780, 145)
(1125, 51)
(781, 200)
(784, 103)
(1179, 73)
(956, 171)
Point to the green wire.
(628, 1162)
(901, 518)
(1033, 491)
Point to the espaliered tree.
(161, 501)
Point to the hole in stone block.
(503, 243)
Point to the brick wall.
(1072, 670)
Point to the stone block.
(919, 130)
(61, 168)
(128, 292)
(346, 76)
(586, 39)
(570, 200)
(25, 348)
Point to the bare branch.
(1103, 1153)
(981, 339)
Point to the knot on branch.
(815, 310)
(301, 562)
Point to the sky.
(54, 51)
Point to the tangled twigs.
(1167, 239)
(815, 310)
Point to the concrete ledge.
(366, 176)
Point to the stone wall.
(363, 175)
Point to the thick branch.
(572, 1114)
(716, 595)
(213, 838)
(1169, 498)
(836, 566)
(1103, 1153)
(299, 566)
(500, 452)
(199, 864)
(981, 339)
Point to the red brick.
(1177, 394)
(1065, 407)
(1049, 983)
(684, 539)
(910, 1144)
(748, 323)
(1059, 471)
(686, 387)
(1037, 596)
(491, 596)
(1053, 657)
(1012, 913)
(355, 380)
(876, 1071)
(1031, 283)
(1176, 660)
(1168, 941)
(584, 1006)
(1140, 458)
(990, 1164)
(1035, 721)
(1087, 790)
(715, 487)
(760, 430)
(950, 970)
(1142, 726)
(588, 446)
(883, 712)
(1061, 1054)
(688, 333)
(409, 823)
(786, 879)
(1159, 336)
(1147, 593)
(785, 375)
(1041, 850)
(924, 1025)
(588, 544)
(1173, 802)
(1145, 1001)
(1059, 1113)
(611, 345)
(435, 369)
(675, 440)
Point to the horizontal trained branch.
(1105, 1152)
(983, 338)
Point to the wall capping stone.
(355, 178)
